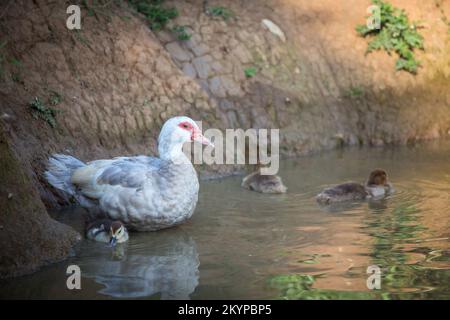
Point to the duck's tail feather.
(59, 172)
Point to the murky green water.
(241, 244)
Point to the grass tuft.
(40, 111)
(157, 15)
(221, 12)
(250, 72)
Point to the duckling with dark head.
(376, 186)
(108, 231)
(263, 183)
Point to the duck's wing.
(99, 224)
(345, 188)
(127, 172)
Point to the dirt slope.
(28, 236)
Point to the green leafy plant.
(80, 37)
(181, 33)
(16, 78)
(97, 7)
(157, 15)
(41, 111)
(250, 72)
(396, 33)
(55, 98)
(355, 92)
(16, 62)
(221, 12)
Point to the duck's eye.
(185, 125)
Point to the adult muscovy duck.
(145, 193)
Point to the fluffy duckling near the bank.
(263, 183)
(107, 231)
(377, 186)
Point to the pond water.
(241, 244)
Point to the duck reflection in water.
(339, 207)
(378, 205)
(375, 205)
(163, 264)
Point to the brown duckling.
(263, 183)
(376, 186)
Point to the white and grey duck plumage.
(145, 193)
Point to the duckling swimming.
(108, 231)
(376, 186)
(263, 183)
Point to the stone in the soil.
(203, 66)
(177, 52)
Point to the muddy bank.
(28, 236)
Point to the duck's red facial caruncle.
(186, 125)
(196, 134)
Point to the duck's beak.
(113, 241)
(199, 137)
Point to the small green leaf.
(219, 11)
(250, 72)
(181, 33)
